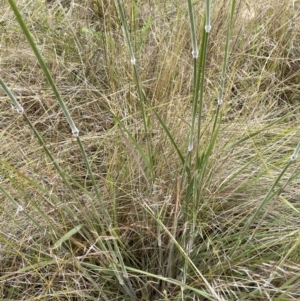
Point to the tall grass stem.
(29, 37)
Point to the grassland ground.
(148, 224)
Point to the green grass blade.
(195, 51)
(225, 59)
(29, 37)
(67, 236)
(19, 108)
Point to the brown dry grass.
(86, 54)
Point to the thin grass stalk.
(195, 54)
(225, 59)
(199, 73)
(194, 107)
(27, 33)
(273, 192)
(295, 153)
(200, 86)
(195, 51)
(19, 208)
(207, 14)
(126, 32)
(19, 108)
(137, 81)
(172, 260)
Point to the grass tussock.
(181, 184)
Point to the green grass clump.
(149, 150)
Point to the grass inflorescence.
(149, 150)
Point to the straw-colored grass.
(139, 206)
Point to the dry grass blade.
(139, 207)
